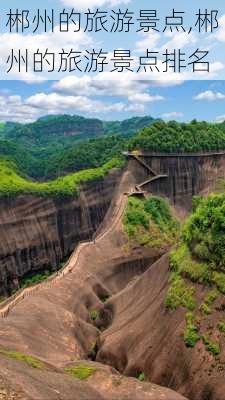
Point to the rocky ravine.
(55, 326)
(132, 331)
(38, 233)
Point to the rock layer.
(188, 175)
(150, 338)
(55, 324)
(38, 233)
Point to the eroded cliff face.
(188, 175)
(38, 233)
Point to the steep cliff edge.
(38, 233)
(57, 328)
(111, 308)
(187, 174)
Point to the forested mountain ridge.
(57, 154)
(69, 128)
(60, 144)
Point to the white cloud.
(83, 96)
(116, 107)
(85, 4)
(144, 98)
(220, 118)
(16, 109)
(56, 103)
(135, 108)
(147, 41)
(172, 115)
(12, 108)
(220, 34)
(99, 85)
(133, 90)
(53, 42)
(179, 41)
(154, 41)
(209, 95)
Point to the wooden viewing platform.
(153, 175)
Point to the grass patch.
(191, 336)
(205, 309)
(94, 315)
(35, 279)
(181, 261)
(29, 360)
(200, 258)
(218, 278)
(211, 346)
(180, 294)
(141, 377)
(13, 184)
(221, 326)
(81, 372)
(149, 222)
(211, 297)
(204, 232)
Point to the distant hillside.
(128, 127)
(68, 129)
(46, 130)
(55, 145)
(58, 145)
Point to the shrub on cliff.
(200, 256)
(149, 222)
(204, 232)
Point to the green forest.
(180, 137)
(51, 155)
(12, 183)
(57, 145)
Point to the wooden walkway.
(153, 175)
(180, 155)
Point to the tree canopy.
(180, 137)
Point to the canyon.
(132, 333)
(38, 234)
